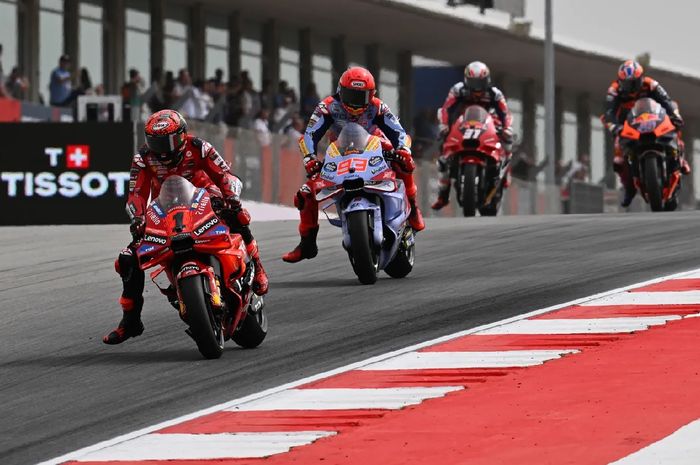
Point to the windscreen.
(352, 137)
(645, 105)
(176, 191)
(476, 113)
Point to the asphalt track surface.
(62, 389)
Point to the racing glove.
(402, 157)
(312, 165)
(676, 119)
(137, 227)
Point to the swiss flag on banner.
(78, 157)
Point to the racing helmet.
(630, 77)
(477, 77)
(166, 132)
(356, 89)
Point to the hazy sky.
(668, 30)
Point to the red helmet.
(630, 76)
(356, 89)
(477, 77)
(166, 131)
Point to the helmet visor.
(354, 98)
(631, 85)
(165, 143)
(477, 84)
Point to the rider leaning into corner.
(631, 85)
(170, 151)
(353, 102)
(475, 89)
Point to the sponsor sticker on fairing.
(374, 161)
(206, 226)
(155, 239)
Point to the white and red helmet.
(477, 77)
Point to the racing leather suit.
(458, 98)
(618, 104)
(330, 116)
(202, 165)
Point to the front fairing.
(181, 229)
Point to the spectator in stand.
(60, 89)
(169, 90)
(132, 90)
(294, 130)
(198, 104)
(282, 113)
(282, 94)
(219, 76)
(525, 167)
(16, 85)
(85, 83)
(267, 95)
(250, 102)
(309, 101)
(154, 94)
(183, 84)
(262, 128)
(234, 109)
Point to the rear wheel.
(653, 184)
(364, 260)
(468, 191)
(253, 329)
(204, 329)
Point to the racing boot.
(307, 248)
(260, 282)
(685, 167)
(630, 192)
(415, 218)
(130, 324)
(442, 200)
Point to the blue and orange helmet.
(630, 77)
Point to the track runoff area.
(611, 378)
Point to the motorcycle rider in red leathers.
(630, 86)
(354, 102)
(476, 89)
(169, 151)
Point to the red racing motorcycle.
(651, 143)
(478, 166)
(209, 273)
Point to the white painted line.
(204, 446)
(436, 360)
(352, 366)
(580, 326)
(690, 275)
(345, 399)
(680, 448)
(648, 298)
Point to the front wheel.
(362, 255)
(468, 190)
(653, 184)
(203, 326)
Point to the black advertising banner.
(64, 173)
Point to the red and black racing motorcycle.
(478, 166)
(209, 273)
(651, 141)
